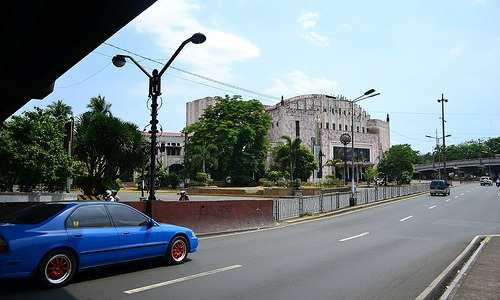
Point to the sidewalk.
(482, 281)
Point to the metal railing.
(293, 207)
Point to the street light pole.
(435, 152)
(366, 95)
(154, 92)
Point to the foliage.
(405, 177)
(99, 105)
(295, 158)
(107, 146)
(238, 129)
(60, 110)
(32, 152)
(395, 161)
(202, 177)
(370, 174)
(334, 164)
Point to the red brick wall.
(213, 216)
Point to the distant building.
(319, 120)
(170, 152)
(195, 109)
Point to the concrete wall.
(36, 197)
(213, 216)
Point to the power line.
(85, 79)
(196, 75)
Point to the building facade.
(170, 150)
(319, 121)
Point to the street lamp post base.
(352, 201)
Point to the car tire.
(177, 250)
(56, 269)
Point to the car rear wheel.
(178, 250)
(56, 269)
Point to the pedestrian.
(109, 196)
(115, 196)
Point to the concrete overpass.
(492, 165)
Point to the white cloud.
(456, 51)
(171, 22)
(479, 2)
(308, 20)
(317, 39)
(297, 82)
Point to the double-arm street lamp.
(366, 95)
(437, 148)
(154, 92)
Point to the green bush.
(201, 177)
(405, 177)
(173, 180)
(265, 182)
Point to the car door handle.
(126, 232)
(78, 235)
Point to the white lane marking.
(404, 219)
(431, 207)
(165, 283)
(447, 200)
(462, 194)
(456, 197)
(353, 237)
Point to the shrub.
(173, 180)
(201, 177)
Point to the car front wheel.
(57, 269)
(178, 250)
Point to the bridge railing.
(292, 207)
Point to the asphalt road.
(390, 252)
(134, 196)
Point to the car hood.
(171, 227)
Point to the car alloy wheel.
(57, 269)
(178, 250)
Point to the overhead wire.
(229, 85)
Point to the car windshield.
(33, 214)
(437, 183)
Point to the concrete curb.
(439, 289)
(354, 208)
(211, 234)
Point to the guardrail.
(293, 207)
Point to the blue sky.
(410, 51)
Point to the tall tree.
(399, 160)
(60, 110)
(108, 147)
(239, 131)
(32, 152)
(99, 104)
(206, 154)
(294, 157)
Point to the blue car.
(53, 241)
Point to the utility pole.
(442, 101)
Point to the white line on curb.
(353, 237)
(431, 207)
(456, 197)
(160, 284)
(404, 219)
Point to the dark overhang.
(42, 39)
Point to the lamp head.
(118, 61)
(198, 38)
(370, 91)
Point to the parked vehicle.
(53, 241)
(485, 180)
(439, 187)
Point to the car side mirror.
(150, 223)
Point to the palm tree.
(205, 153)
(293, 147)
(60, 110)
(333, 164)
(99, 105)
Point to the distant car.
(53, 241)
(439, 187)
(485, 180)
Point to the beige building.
(319, 120)
(170, 153)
